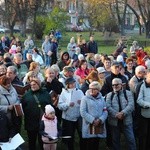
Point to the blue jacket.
(92, 108)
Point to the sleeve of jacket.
(104, 115)
(41, 130)
(84, 112)
(110, 109)
(141, 96)
(62, 105)
(130, 105)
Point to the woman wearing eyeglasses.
(120, 105)
(94, 113)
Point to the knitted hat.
(49, 109)
(36, 80)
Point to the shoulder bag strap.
(7, 99)
(38, 102)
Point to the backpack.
(125, 95)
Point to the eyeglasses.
(92, 89)
(115, 84)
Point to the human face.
(2, 69)
(84, 66)
(141, 74)
(115, 69)
(116, 86)
(51, 115)
(18, 60)
(34, 86)
(101, 75)
(130, 65)
(93, 91)
(71, 85)
(37, 69)
(107, 64)
(65, 56)
(10, 74)
(50, 74)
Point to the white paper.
(16, 141)
(52, 137)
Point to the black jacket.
(6, 129)
(107, 87)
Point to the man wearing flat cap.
(67, 73)
(115, 73)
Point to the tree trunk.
(23, 29)
(11, 30)
(122, 29)
(147, 28)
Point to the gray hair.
(12, 68)
(139, 68)
(55, 67)
(17, 55)
(96, 85)
(118, 80)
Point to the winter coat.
(32, 111)
(71, 49)
(6, 128)
(92, 108)
(12, 98)
(48, 127)
(127, 106)
(108, 83)
(144, 100)
(67, 96)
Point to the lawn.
(106, 45)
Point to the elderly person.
(69, 103)
(140, 73)
(35, 67)
(66, 73)
(143, 101)
(21, 68)
(93, 111)
(120, 105)
(8, 98)
(12, 74)
(71, 47)
(33, 103)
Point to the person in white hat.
(48, 128)
(101, 73)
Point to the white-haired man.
(120, 105)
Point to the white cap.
(49, 109)
(80, 57)
(101, 69)
(13, 47)
(120, 58)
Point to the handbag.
(96, 129)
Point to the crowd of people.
(97, 95)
